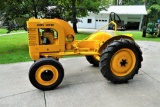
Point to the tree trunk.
(75, 27)
(35, 9)
(74, 20)
(35, 13)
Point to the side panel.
(66, 27)
(34, 37)
(69, 32)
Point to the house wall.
(87, 22)
(97, 21)
(101, 19)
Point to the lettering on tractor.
(49, 24)
(40, 24)
(118, 56)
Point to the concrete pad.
(78, 70)
(14, 79)
(26, 99)
(103, 93)
(84, 85)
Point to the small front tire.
(46, 74)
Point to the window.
(89, 20)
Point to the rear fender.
(100, 36)
(112, 39)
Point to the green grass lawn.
(14, 48)
(82, 35)
(4, 31)
(137, 35)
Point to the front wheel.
(46, 74)
(121, 60)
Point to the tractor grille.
(32, 37)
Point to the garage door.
(101, 22)
(132, 25)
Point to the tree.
(106, 3)
(153, 10)
(68, 10)
(77, 8)
(15, 13)
(132, 2)
(23, 8)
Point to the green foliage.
(71, 9)
(104, 4)
(80, 7)
(153, 9)
(23, 8)
(152, 6)
(132, 2)
(68, 10)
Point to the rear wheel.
(46, 74)
(93, 60)
(121, 60)
(144, 31)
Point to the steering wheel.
(113, 16)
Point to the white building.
(131, 16)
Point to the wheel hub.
(47, 75)
(123, 63)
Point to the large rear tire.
(121, 60)
(46, 74)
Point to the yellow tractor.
(118, 56)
